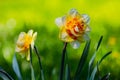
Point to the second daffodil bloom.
(23, 43)
(74, 28)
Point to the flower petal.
(20, 41)
(30, 32)
(86, 18)
(59, 22)
(28, 56)
(73, 13)
(34, 35)
(64, 36)
(22, 34)
(88, 29)
(18, 49)
(75, 44)
(33, 39)
(76, 29)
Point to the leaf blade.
(106, 77)
(95, 69)
(16, 67)
(4, 75)
(67, 74)
(99, 42)
(93, 57)
(82, 60)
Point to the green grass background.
(40, 15)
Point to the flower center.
(27, 43)
(75, 27)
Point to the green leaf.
(95, 69)
(99, 42)
(93, 57)
(105, 56)
(106, 77)
(67, 72)
(98, 72)
(4, 75)
(82, 60)
(16, 67)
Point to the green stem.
(67, 76)
(63, 61)
(40, 65)
(31, 66)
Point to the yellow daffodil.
(74, 27)
(23, 43)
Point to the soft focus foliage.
(39, 15)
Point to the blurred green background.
(40, 15)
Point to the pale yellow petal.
(22, 34)
(18, 49)
(30, 32)
(21, 40)
(20, 43)
(35, 36)
(28, 56)
(33, 39)
(64, 36)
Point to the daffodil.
(74, 27)
(23, 43)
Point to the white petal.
(88, 29)
(17, 49)
(59, 22)
(76, 29)
(64, 35)
(73, 32)
(20, 40)
(30, 32)
(86, 18)
(22, 34)
(86, 37)
(73, 12)
(75, 44)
